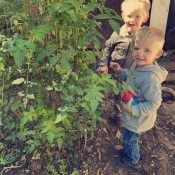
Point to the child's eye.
(147, 50)
(136, 48)
(138, 17)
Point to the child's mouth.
(131, 25)
(140, 58)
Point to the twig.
(99, 154)
(85, 138)
(9, 168)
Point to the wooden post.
(159, 14)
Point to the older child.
(145, 77)
(134, 13)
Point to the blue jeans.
(130, 140)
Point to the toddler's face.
(134, 19)
(145, 52)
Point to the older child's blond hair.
(135, 5)
(153, 33)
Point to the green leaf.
(63, 109)
(79, 90)
(65, 64)
(60, 117)
(11, 100)
(40, 32)
(51, 49)
(101, 16)
(124, 87)
(117, 16)
(19, 58)
(18, 81)
(42, 54)
(31, 148)
(45, 128)
(131, 89)
(72, 15)
(54, 59)
(114, 25)
(116, 90)
(1, 102)
(2, 67)
(67, 123)
(23, 121)
(60, 142)
(21, 94)
(94, 104)
(1, 124)
(16, 22)
(30, 96)
(50, 137)
(49, 88)
(92, 5)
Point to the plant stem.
(3, 85)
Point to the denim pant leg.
(130, 140)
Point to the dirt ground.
(97, 156)
(157, 148)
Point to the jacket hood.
(159, 71)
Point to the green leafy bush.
(49, 95)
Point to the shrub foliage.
(49, 94)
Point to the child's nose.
(140, 53)
(132, 20)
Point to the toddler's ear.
(123, 15)
(159, 54)
(146, 18)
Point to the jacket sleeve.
(108, 49)
(151, 91)
(123, 74)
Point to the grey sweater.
(149, 79)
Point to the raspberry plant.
(49, 94)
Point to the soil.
(157, 147)
(97, 156)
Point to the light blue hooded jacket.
(149, 79)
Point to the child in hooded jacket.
(145, 77)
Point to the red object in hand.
(127, 96)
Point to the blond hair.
(153, 33)
(136, 4)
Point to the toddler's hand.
(104, 69)
(115, 66)
(127, 106)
